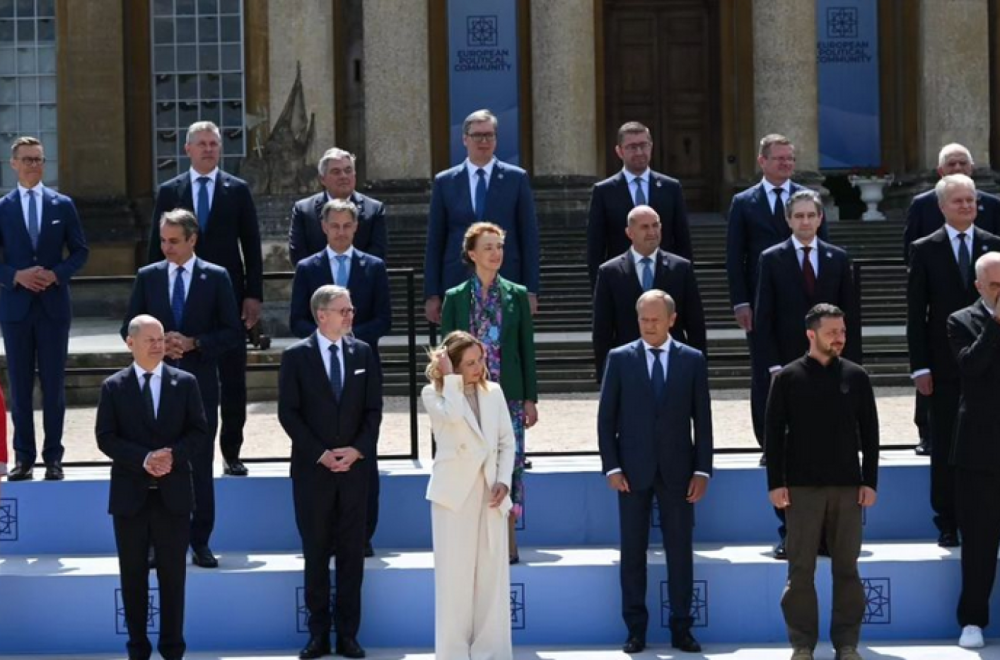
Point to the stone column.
(954, 85)
(563, 88)
(302, 33)
(785, 79)
(397, 104)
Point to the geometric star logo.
(878, 601)
(152, 613)
(842, 23)
(302, 612)
(481, 31)
(699, 604)
(8, 519)
(517, 620)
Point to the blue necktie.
(32, 219)
(336, 380)
(658, 377)
(177, 298)
(647, 273)
(640, 197)
(964, 259)
(481, 194)
(203, 205)
(341, 270)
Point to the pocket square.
(56, 222)
(359, 371)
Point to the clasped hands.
(176, 344)
(340, 459)
(160, 462)
(35, 279)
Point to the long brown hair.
(455, 345)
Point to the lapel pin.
(981, 208)
(829, 255)
(499, 175)
(173, 382)
(204, 276)
(659, 184)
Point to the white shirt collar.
(987, 306)
(666, 345)
(953, 233)
(213, 175)
(324, 344)
(488, 168)
(188, 265)
(768, 186)
(632, 177)
(799, 244)
(636, 257)
(332, 254)
(24, 191)
(140, 372)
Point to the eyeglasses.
(31, 160)
(336, 171)
(637, 146)
(782, 159)
(345, 312)
(482, 137)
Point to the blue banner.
(847, 62)
(483, 71)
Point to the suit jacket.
(610, 203)
(464, 448)
(305, 231)
(60, 230)
(509, 204)
(640, 435)
(313, 418)
(751, 229)
(369, 287)
(934, 291)
(3, 435)
(210, 316)
(618, 289)
(975, 342)
(126, 433)
(782, 301)
(232, 230)
(517, 335)
(924, 217)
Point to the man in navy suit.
(330, 405)
(151, 424)
(229, 237)
(644, 266)
(480, 188)
(941, 281)
(756, 222)
(305, 232)
(654, 391)
(43, 247)
(636, 185)
(194, 301)
(366, 278)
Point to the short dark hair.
(822, 311)
(632, 128)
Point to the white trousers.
(471, 580)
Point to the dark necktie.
(658, 378)
(147, 394)
(481, 194)
(647, 273)
(336, 379)
(342, 270)
(964, 259)
(177, 298)
(640, 197)
(32, 219)
(779, 206)
(203, 203)
(808, 274)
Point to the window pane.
(47, 30)
(209, 85)
(208, 58)
(47, 59)
(230, 29)
(7, 32)
(48, 116)
(184, 31)
(184, 7)
(8, 90)
(208, 6)
(26, 60)
(26, 30)
(208, 30)
(163, 31)
(163, 58)
(229, 6)
(232, 114)
(166, 115)
(8, 118)
(187, 86)
(187, 59)
(232, 58)
(211, 111)
(7, 8)
(163, 7)
(27, 117)
(232, 86)
(165, 88)
(187, 114)
(28, 90)
(232, 142)
(46, 8)
(47, 89)
(25, 8)
(6, 60)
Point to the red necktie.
(808, 274)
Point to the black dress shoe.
(316, 647)
(763, 460)
(527, 464)
(634, 644)
(779, 550)
(203, 557)
(685, 641)
(349, 647)
(369, 550)
(235, 468)
(948, 540)
(923, 449)
(21, 472)
(54, 472)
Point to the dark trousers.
(203, 479)
(978, 495)
(233, 382)
(677, 526)
(812, 508)
(760, 384)
(374, 489)
(943, 415)
(330, 511)
(167, 532)
(42, 342)
(921, 417)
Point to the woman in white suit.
(469, 493)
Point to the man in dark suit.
(305, 232)
(151, 423)
(636, 185)
(43, 247)
(756, 222)
(229, 237)
(366, 278)
(974, 333)
(655, 390)
(194, 301)
(940, 282)
(480, 188)
(330, 405)
(642, 267)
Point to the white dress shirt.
(155, 384)
(324, 351)
(23, 192)
(800, 254)
(471, 170)
(772, 198)
(172, 270)
(639, 267)
(644, 178)
(213, 177)
(332, 255)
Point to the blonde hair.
(454, 345)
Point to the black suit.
(610, 203)
(618, 289)
(975, 341)
(330, 507)
(149, 510)
(232, 240)
(305, 231)
(935, 291)
(924, 217)
(210, 316)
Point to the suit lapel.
(470, 416)
(159, 295)
(495, 189)
(196, 293)
(507, 310)
(639, 356)
(359, 202)
(673, 365)
(15, 216)
(47, 200)
(463, 194)
(323, 265)
(319, 368)
(945, 248)
(184, 192)
(628, 267)
(218, 198)
(623, 192)
(355, 279)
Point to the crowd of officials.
(812, 405)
